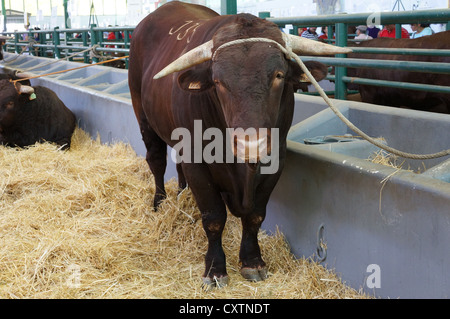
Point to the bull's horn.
(25, 89)
(196, 56)
(21, 75)
(306, 46)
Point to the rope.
(24, 48)
(93, 53)
(62, 71)
(290, 54)
(31, 43)
(357, 130)
(56, 61)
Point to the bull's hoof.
(254, 274)
(215, 282)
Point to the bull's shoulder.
(174, 13)
(44, 93)
(177, 8)
(46, 101)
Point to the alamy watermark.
(249, 145)
(374, 279)
(374, 18)
(74, 276)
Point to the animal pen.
(383, 228)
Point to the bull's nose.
(251, 147)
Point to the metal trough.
(382, 229)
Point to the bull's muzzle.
(251, 146)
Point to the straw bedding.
(79, 224)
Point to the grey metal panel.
(372, 214)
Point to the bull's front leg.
(215, 268)
(252, 265)
(214, 215)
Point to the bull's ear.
(195, 80)
(318, 70)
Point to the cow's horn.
(21, 75)
(25, 89)
(306, 46)
(196, 56)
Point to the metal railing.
(341, 22)
(62, 43)
(92, 43)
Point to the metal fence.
(341, 22)
(85, 45)
(92, 44)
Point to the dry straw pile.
(78, 224)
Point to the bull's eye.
(279, 75)
(216, 82)
(9, 105)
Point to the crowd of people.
(364, 32)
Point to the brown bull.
(413, 99)
(217, 84)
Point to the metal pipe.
(341, 71)
(402, 51)
(429, 16)
(399, 85)
(4, 15)
(414, 66)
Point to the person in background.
(36, 35)
(389, 32)
(25, 35)
(324, 34)
(420, 30)
(373, 31)
(300, 31)
(310, 33)
(361, 33)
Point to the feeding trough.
(383, 228)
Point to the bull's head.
(204, 53)
(250, 77)
(9, 99)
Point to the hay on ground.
(79, 224)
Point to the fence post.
(17, 36)
(56, 42)
(84, 37)
(341, 41)
(42, 40)
(398, 31)
(94, 40)
(264, 14)
(126, 44)
(330, 33)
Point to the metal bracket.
(321, 246)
